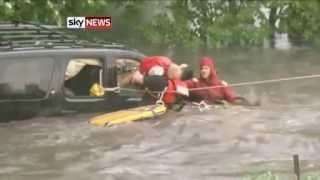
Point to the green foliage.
(306, 22)
(262, 176)
(274, 176)
(182, 23)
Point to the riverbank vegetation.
(183, 23)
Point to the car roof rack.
(19, 35)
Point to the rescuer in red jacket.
(149, 62)
(209, 78)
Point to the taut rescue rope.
(241, 83)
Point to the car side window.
(83, 78)
(25, 78)
(125, 70)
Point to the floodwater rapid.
(220, 143)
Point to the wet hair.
(173, 69)
(187, 73)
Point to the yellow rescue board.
(128, 115)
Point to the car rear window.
(25, 78)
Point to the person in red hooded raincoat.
(209, 78)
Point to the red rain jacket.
(174, 89)
(148, 62)
(225, 92)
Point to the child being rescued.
(176, 90)
(156, 74)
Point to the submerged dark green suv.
(46, 71)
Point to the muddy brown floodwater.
(216, 144)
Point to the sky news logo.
(89, 22)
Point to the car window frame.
(84, 99)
